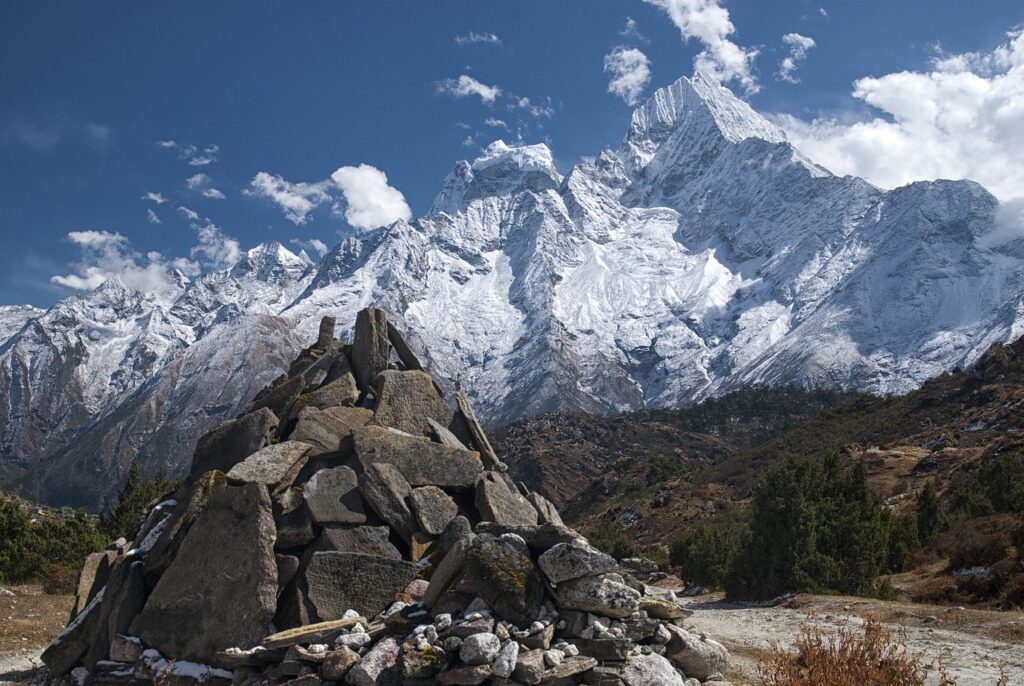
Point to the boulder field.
(355, 526)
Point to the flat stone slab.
(368, 540)
(332, 496)
(371, 348)
(221, 589)
(407, 400)
(325, 429)
(233, 441)
(352, 581)
(567, 561)
(386, 492)
(275, 466)
(311, 633)
(434, 509)
(421, 461)
(501, 571)
(498, 502)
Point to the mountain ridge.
(706, 254)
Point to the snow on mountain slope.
(705, 254)
(14, 317)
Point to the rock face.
(387, 546)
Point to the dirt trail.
(29, 619)
(970, 644)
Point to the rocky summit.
(355, 526)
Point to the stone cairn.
(354, 527)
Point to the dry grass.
(870, 655)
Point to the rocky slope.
(704, 255)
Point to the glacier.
(703, 255)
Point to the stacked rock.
(354, 527)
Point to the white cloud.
(196, 156)
(216, 250)
(465, 86)
(964, 118)
(98, 134)
(107, 255)
(188, 214)
(297, 200)
(468, 141)
(709, 23)
(151, 216)
(371, 202)
(197, 180)
(631, 72)
(313, 244)
(536, 111)
(496, 123)
(473, 37)
(630, 31)
(798, 47)
(157, 198)
(213, 193)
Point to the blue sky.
(297, 91)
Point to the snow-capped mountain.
(704, 254)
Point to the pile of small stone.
(354, 527)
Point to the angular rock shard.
(421, 461)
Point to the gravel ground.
(971, 644)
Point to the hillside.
(961, 432)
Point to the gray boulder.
(378, 667)
(332, 496)
(368, 540)
(599, 595)
(407, 400)
(221, 589)
(338, 582)
(697, 656)
(498, 502)
(480, 649)
(421, 461)
(275, 466)
(434, 509)
(501, 572)
(385, 491)
(371, 349)
(71, 645)
(645, 670)
(325, 429)
(572, 560)
(233, 441)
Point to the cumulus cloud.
(631, 72)
(197, 180)
(466, 85)
(215, 249)
(496, 123)
(157, 198)
(296, 200)
(195, 155)
(371, 202)
(314, 245)
(963, 118)
(188, 214)
(213, 193)
(151, 216)
(537, 111)
(474, 38)
(106, 255)
(709, 23)
(798, 47)
(630, 31)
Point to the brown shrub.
(869, 656)
(60, 580)
(978, 542)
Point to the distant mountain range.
(704, 255)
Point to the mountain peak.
(702, 105)
(270, 261)
(501, 169)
